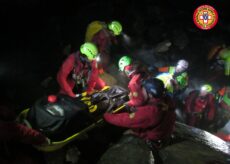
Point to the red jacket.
(149, 121)
(12, 131)
(72, 68)
(103, 39)
(196, 106)
(136, 95)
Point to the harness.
(82, 75)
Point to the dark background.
(35, 32)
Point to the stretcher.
(92, 107)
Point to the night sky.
(35, 32)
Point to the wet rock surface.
(190, 152)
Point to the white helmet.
(182, 65)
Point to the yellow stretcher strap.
(105, 88)
(118, 109)
(23, 114)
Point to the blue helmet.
(154, 86)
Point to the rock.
(128, 150)
(72, 155)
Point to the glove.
(83, 94)
(78, 95)
(129, 109)
(120, 103)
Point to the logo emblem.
(205, 17)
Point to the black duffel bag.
(60, 119)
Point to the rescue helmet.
(115, 27)
(182, 65)
(123, 62)
(206, 88)
(89, 50)
(154, 86)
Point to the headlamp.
(203, 88)
(98, 58)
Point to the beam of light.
(126, 38)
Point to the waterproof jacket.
(153, 121)
(136, 97)
(12, 131)
(199, 108)
(98, 33)
(76, 70)
(173, 81)
(103, 39)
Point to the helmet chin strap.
(131, 73)
(84, 59)
(146, 95)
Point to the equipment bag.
(61, 119)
